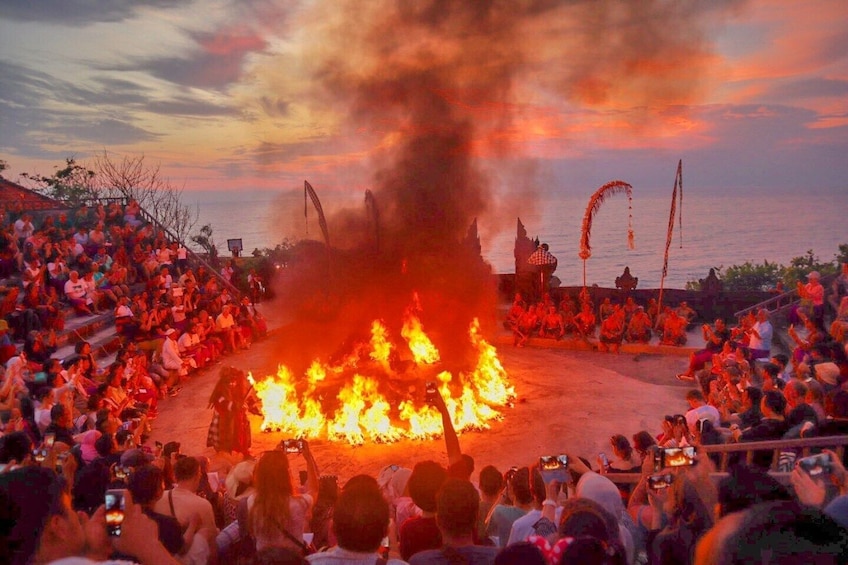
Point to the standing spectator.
(277, 517)
(491, 487)
(688, 517)
(360, 522)
(187, 507)
(23, 229)
(227, 272)
(812, 299)
(500, 519)
(761, 334)
(421, 532)
(456, 516)
(523, 526)
(41, 527)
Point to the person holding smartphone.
(43, 528)
(821, 481)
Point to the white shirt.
(224, 321)
(74, 289)
(523, 526)
(766, 333)
(187, 341)
(705, 411)
(123, 311)
(171, 359)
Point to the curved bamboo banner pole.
(609, 189)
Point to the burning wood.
(373, 395)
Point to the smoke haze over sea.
(718, 229)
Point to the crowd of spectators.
(430, 511)
(75, 435)
(171, 318)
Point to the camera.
(510, 474)
(291, 445)
(430, 392)
(602, 457)
(49, 440)
(816, 465)
(674, 457)
(659, 482)
(121, 473)
(553, 468)
(115, 506)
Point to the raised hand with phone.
(819, 478)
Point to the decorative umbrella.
(541, 257)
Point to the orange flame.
(371, 407)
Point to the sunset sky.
(243, 95)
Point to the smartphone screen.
(114, 511)
(658, 482)
(816, 464)
(49, 440)
(678, 456)
(553, 468)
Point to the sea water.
(718, 230)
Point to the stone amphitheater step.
(100, 334)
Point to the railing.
(782, 300)
(194, 256)
(772, 304)
(835, 443)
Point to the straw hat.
(240, 479)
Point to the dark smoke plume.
(439, 86)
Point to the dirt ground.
(567, 401)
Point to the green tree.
(765, 275)
(72, 184)
(803, 264)
(750, 276)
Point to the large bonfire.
(375, 393)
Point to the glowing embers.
(373, 396)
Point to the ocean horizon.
(719, 229)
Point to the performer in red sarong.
(232, 398)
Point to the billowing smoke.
(448, 91)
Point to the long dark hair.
(272, 481)
(222, 387)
